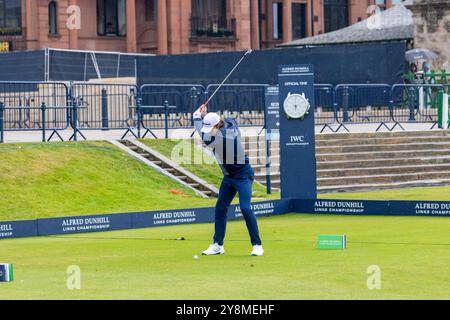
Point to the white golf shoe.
(258, 251)
(214, 249)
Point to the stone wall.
(432, 29)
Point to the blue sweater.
(226, 146)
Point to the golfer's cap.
(210, 121)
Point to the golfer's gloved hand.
(201, 112)
(204, 110)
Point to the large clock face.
(296, 106)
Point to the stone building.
(432, 29)
(393, 24)
(172, 26)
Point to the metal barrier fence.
(23, 102)
(244, 102)
(33, 106)
(326, 111)
(186, 98)
(105, 106)
(360, 103)
(415, 103)
(53, 106)
(363, 102)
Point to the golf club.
(226, 78)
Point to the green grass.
(412, 253)
(190, 157)
(210, 171)
(67, 179)
(193, 159)
(63, 179)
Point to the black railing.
(215, 27)
(53, 107)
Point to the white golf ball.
(195, 257)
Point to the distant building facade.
(172, 26)
(432, 29)
(393, 24)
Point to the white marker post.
(421, 99)
(445, 112)
(443, 116)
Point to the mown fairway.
(62, 179)
(412, 252)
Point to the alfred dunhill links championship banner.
(136, 220)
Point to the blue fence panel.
(244, 102)
(415, 102)
(105, 106)
(184, 97)
(23, 103)
(358, 103)
(326, 112)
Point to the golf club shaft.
(226, 78)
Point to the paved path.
(36, 136)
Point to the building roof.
(395, 23)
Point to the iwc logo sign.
(297, 141)
(297, 138)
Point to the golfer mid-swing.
(224, 138)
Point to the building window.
(150, 10)
(336, 14)
(277, 12)
(209, 18)
(111, 18)
(10, 17)
(52, 18)
(298, 20)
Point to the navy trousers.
(241, 184)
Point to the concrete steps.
(261, 160)
(371, 186)
(375, 171)
(381, 135)
(368, 161)
(384, 147)
(171, 169)
(384, 178)
(383, 163)
(382, 141)
(381, 155)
